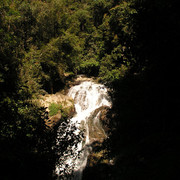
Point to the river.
(89, 98)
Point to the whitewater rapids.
(88, 97)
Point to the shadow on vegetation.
(99, 172)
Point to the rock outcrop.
(97, 130)
(65, 101)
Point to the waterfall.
(88, 97)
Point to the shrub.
(54, 108)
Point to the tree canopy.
(131, 45)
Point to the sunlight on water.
(88, 97)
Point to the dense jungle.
(131, 46)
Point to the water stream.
(88, 97)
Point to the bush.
(54, 108)
(90, 67)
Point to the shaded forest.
(130, 45)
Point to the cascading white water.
(88, 98)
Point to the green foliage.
(30, 77)
(119, 41)
(90, 67)
(54, 109)
(118, 37)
